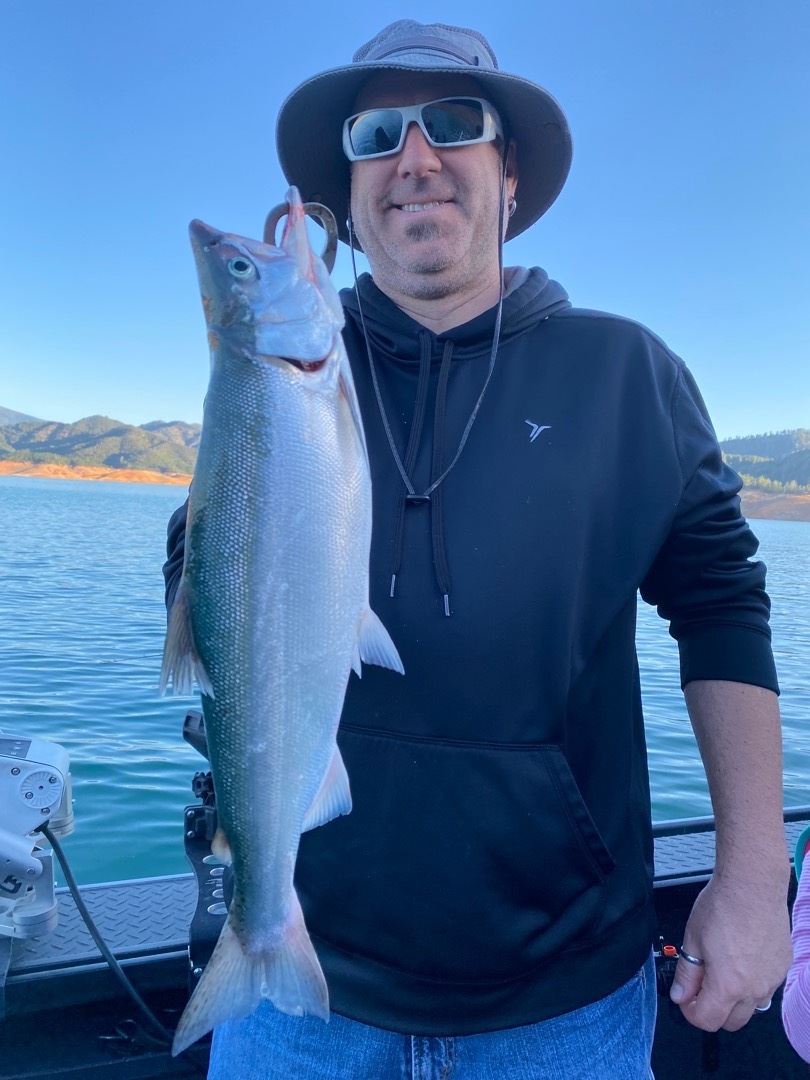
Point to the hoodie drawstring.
(412, 449)
(440, 563)
(407, 496)
(411, 497)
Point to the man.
(485, 910)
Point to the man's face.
(427, 218)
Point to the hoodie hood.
(530, 295)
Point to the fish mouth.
(305, 365)
(308, 366)
(202, 234)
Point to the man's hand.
(739, 925)
(742, 933)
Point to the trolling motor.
(35, 789)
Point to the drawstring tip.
(393, 584)
(447, 605)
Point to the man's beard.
(423, 230)
(420, 271)
(428, 287)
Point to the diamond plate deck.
(139, 918)
(691, 855)
(149, 917)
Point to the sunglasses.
(459, 121)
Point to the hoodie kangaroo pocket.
(458, 860)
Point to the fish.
(272, 611)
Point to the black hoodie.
(496, 868)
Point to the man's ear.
(511, 169)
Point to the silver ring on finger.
(765, 1007)
(684, 955)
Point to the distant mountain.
(778, 461)
(775, 462)
(9, 416)
(98, 440)
(176, 431)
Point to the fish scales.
(283, 627)
(272, 608)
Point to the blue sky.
(686, 208)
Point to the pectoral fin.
(349, 395)
(181, 662)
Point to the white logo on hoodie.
(536, 429)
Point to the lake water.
(81, 636)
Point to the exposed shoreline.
(755, 503)
(92, 472)
(776, 507)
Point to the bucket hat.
(310, 122)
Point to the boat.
(67, 1015)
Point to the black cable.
(166, 1035)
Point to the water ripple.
(82, 618)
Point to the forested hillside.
(778, 461)
(98, 440)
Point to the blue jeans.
(609, 1040)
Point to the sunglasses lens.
(456, 121)
(376, 132)
(450, 122)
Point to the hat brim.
(309, 134)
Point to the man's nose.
(417, 157)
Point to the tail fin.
(234, 983)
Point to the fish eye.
(241, 268)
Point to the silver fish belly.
(272, 612)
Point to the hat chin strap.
(493, 355)
(354, 239)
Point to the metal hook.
(313, 209)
